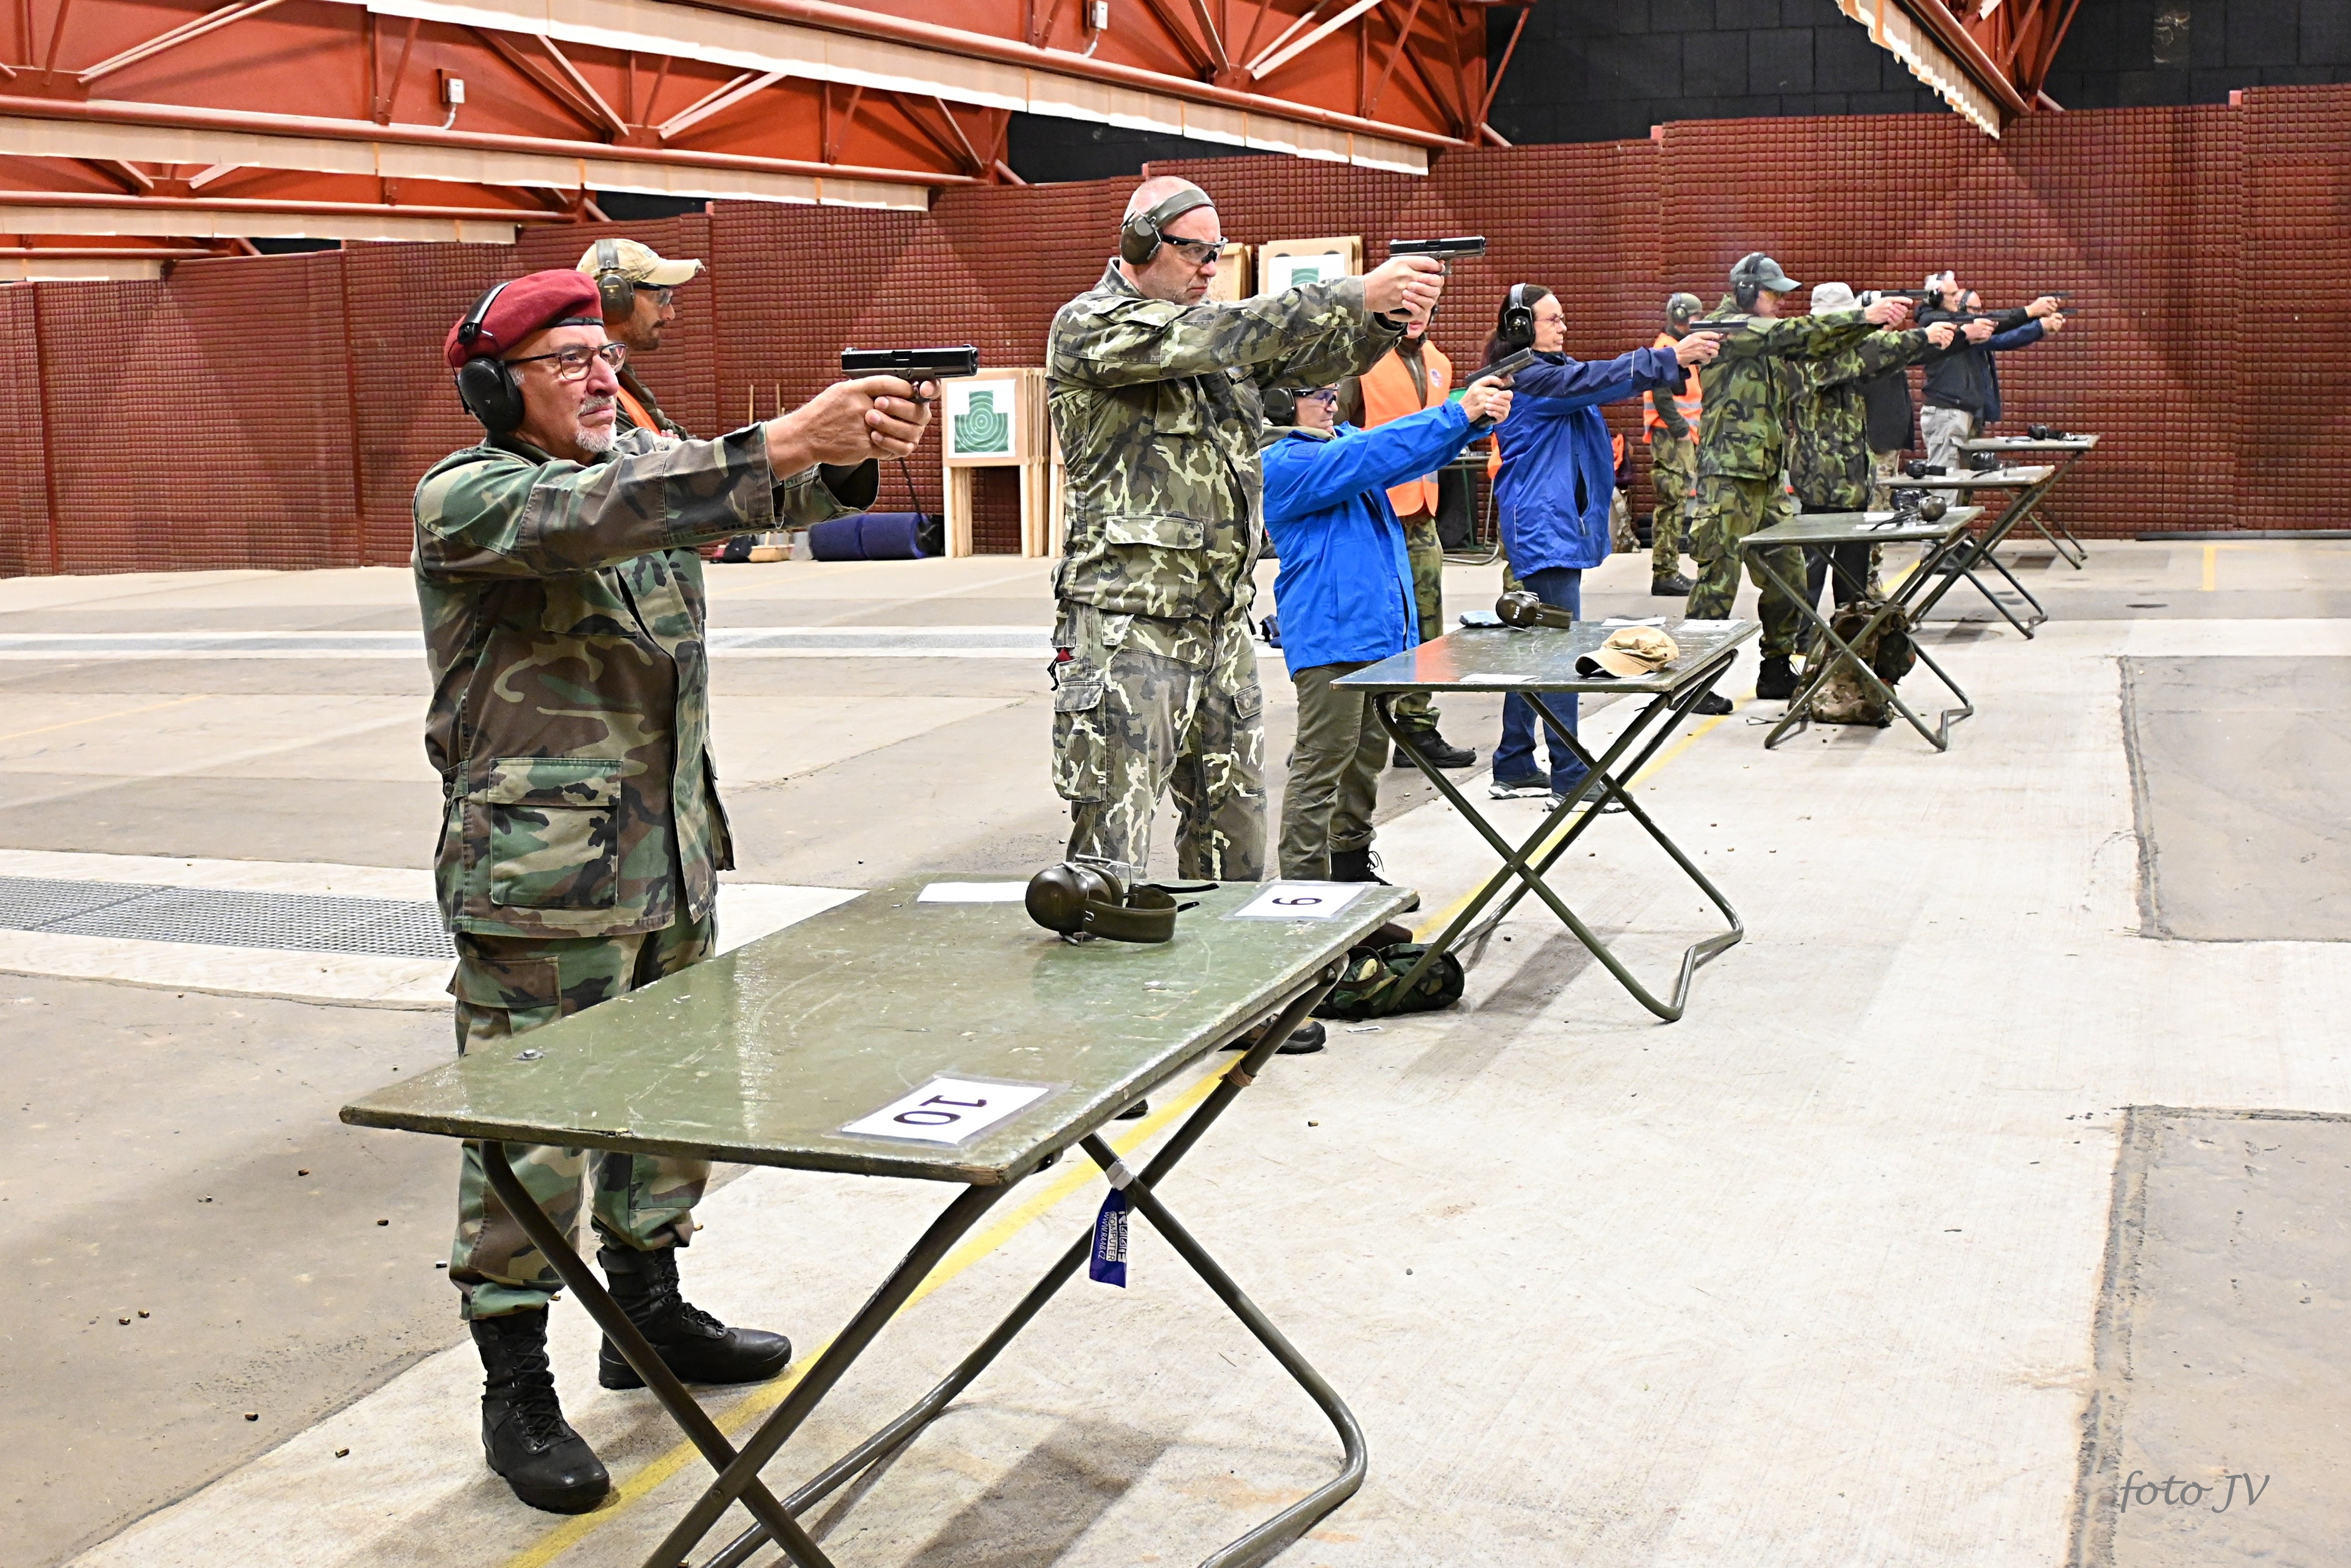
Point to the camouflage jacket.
(1157, 409)
(1742, 430)
(563, 626)
(1828, 419)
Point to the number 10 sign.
(947, 1109)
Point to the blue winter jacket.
(1345, 588)
(1557, 469)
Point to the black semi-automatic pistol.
(910, 365)
(1509, 364)
(1442, 249)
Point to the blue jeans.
(1514, 759)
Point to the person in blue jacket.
(1347, 600)
(1555, 487)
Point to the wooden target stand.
(996, 420)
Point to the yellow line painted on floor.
(768, 1395)
(2211, 566)
(1444, 918)
(101, 718)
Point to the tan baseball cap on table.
(639, 263)
(1629, 654)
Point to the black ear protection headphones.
(1747, 280)
(616, 289)
(1080, 901)
(485, 384)
(1517, 319)
(1281, 406)
(1140, 237)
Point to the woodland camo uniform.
(581, 836)
(1742, 457)
(1158, 410)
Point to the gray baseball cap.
(1757, 270)
(1684, 307)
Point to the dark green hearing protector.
(1080, 901)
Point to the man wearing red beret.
(581, 836)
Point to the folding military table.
(2024, 488)
(1824, 531)
(1540, 663)
(892, 1036)
(2062, 452)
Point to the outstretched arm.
(1302, 476)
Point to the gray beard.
(594, 442)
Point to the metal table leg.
(1980, 552)
(1253, 1547)
(1800, 706)
(1528, 862)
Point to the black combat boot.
(1351, 865)
(1714, 704)
(694, 1344)
(1673, 585)
(1776, 681)
(1440, 752)
(524, 1434)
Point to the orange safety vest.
(1687, 401)
(1388, 394)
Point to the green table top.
(764, 1054)
(2028, 444)
(1505, 659)
(1856, 528)
(1994, 479)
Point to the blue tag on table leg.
(1109, 1265)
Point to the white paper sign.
(1300, 901)
(973, 893)
(1635, 621)
(947, 1109)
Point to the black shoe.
(690, 1342)
(1434, 746)
(1361, 865)
(1713, 703)
(1304, 1040)
(1776, 681)
(1134, 1113)
(1675, 586)
(524, 1434)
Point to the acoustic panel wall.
(26, 541)
(204, 423)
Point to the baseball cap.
(1684, 307)
(639, 263)
(1831, 296)
(1630, 652)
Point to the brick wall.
(277, 412)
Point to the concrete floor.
(1812, 1277)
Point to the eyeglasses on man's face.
(662, 294)
(1327, 396)
(571, 364)
(1198, 252)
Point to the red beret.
(521, 308)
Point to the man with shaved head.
(1156, 395)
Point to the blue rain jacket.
(1559, 471)
(1345, 587)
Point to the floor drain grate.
(225, 917)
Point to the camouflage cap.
(1684, 307)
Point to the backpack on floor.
(1845, 697)
(1368, 986)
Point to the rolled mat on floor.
(878, 536)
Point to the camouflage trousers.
(1623, 538)
(1726, 511)
(1673, 467)
(1144, 707)
(507, 986)
(1335, 773)
(1417, 710)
